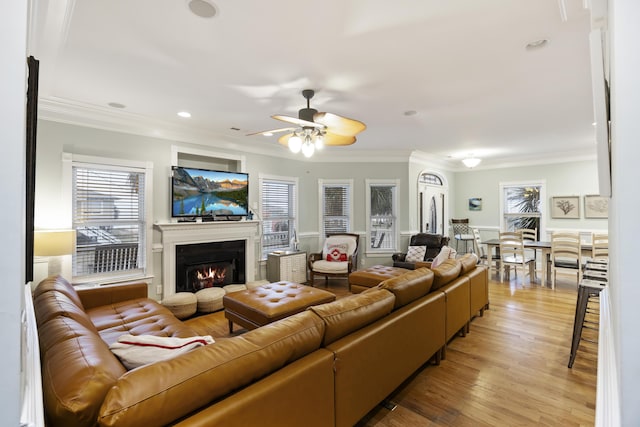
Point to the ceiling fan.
(315, 129)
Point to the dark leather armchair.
(433, 242)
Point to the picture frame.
(567, 207)
(475, 204)
(596, 206)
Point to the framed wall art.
(475, 204)
(565, 207)
(596, 206)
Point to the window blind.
(278, 200)
(336, 208)
(109, 219)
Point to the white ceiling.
(461, 65)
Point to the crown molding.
(100, 117)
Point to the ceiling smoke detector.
(202, 8)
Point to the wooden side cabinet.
(288, 266)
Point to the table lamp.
(54, 244)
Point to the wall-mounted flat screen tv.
(205, 193)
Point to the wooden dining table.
(542, 246)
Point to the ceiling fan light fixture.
(471, 162)
(294, 144)
(308, 148)
(319, 142)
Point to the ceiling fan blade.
(333, 139)
(340, 125)
(270, 131)
(330, 139)
(284, 139)
(298, 122)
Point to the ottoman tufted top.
(274, 301)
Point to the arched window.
(429, 178)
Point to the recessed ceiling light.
(202, 8)
(536, 44)
(116, 105)
(184, 114)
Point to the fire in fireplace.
(202, 276)
(206, 265)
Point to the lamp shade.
(54, 242)
(471, 162)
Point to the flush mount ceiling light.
(471, 162)
(202, 8)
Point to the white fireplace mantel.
(186, 233)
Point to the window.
(382, 227)
(521, 206)
(336, 206)
(109, 214)
(278, 202)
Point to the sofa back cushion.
(351, 313)
(410, 286)
(445, 273)
(58, 284)
(162, 392)
(468, 262)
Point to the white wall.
(562, 179)
(56, 138)
(13, 30)
(625, 204)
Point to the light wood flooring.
(510, 370)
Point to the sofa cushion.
(445, 253)
(410, 286)
(77, 372)
(142, 316)
(468, 262)
(348, 314)
(58, 284)
(176, 387)
(415, 253)
(445, 273)
(52, 304)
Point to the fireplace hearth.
(174, 234)
(213, 264)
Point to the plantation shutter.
(278, 215)
(109, 219)
(336, 208)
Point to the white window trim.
(543, 198)
(368, 183)
(68, 161)
(288, 179)
(321, 184)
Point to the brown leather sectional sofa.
(328, 365)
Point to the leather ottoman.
(264, 304)
(362, 280)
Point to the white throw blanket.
(134, 351)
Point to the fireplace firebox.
(213, 264)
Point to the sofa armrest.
(110, 294)
(313, 258)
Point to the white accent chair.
(339, 257)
